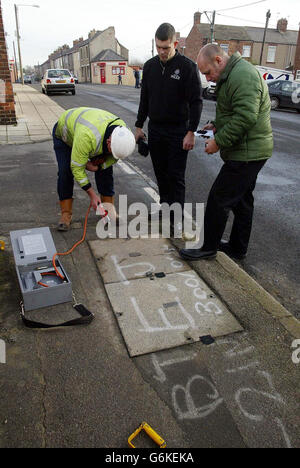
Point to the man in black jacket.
(171, 98)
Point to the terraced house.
(78, 58)
(279, 48)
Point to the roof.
(108, 55)
(224, 32)
(273, 35)
(248, 33)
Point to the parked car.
(208, 87)
(58, 80)
(27, 79)
(284, 93)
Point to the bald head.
(212, 60)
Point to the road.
(273, 257)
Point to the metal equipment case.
(33, 251)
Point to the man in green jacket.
(88, 139)
(243, 135)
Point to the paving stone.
(160, 313)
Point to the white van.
(275, 73)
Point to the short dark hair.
(165, 32)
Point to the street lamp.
(18, 36)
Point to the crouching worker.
(89, 139)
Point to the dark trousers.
(169, 161)
(231, 191)
(65, 182)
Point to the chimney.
(177, 36)
(197, 17)
(92, 33)
(282, 25)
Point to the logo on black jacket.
(176, 75)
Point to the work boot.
(66, 214)
(108, 204)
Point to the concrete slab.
(131, 259)
(160, 313)
(145, 247)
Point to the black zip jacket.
(171, 92)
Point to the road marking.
(126, 168)
(153, 194)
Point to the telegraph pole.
(212, 27)
(16, 65)
(268, 16)
(18, 41)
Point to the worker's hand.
(211, 147)
(139, 134)
(210, 126)
(189, 141)
(94, 198)
(91, 167)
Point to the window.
(271, 54)
(298, 75)
(225, 47)
(274, 85)
(117, 70)
(246, 51)
(58, 74)
(287, 87)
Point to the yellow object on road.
(151, 433)
(2, 245)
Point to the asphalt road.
(273, 256)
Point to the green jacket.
(243, 125)
(83, 129)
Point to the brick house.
(297, 59)
(7, 104)
(279, 49)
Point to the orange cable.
(74, 246)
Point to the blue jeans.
(65, 183)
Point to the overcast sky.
(59, 22)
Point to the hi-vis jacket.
(83, 129)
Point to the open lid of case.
(31, 246)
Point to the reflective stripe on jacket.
(83, 129)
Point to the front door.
(102, 75)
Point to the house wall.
(105, 40)
(7, 103)
(110, 78)
(76, 64)
(297, 56)
(193, 43)
(285, 54)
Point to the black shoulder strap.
(86, 318)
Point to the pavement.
(198, 350)
(35, 116)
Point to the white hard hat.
(122, 143)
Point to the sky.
(58, 22)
